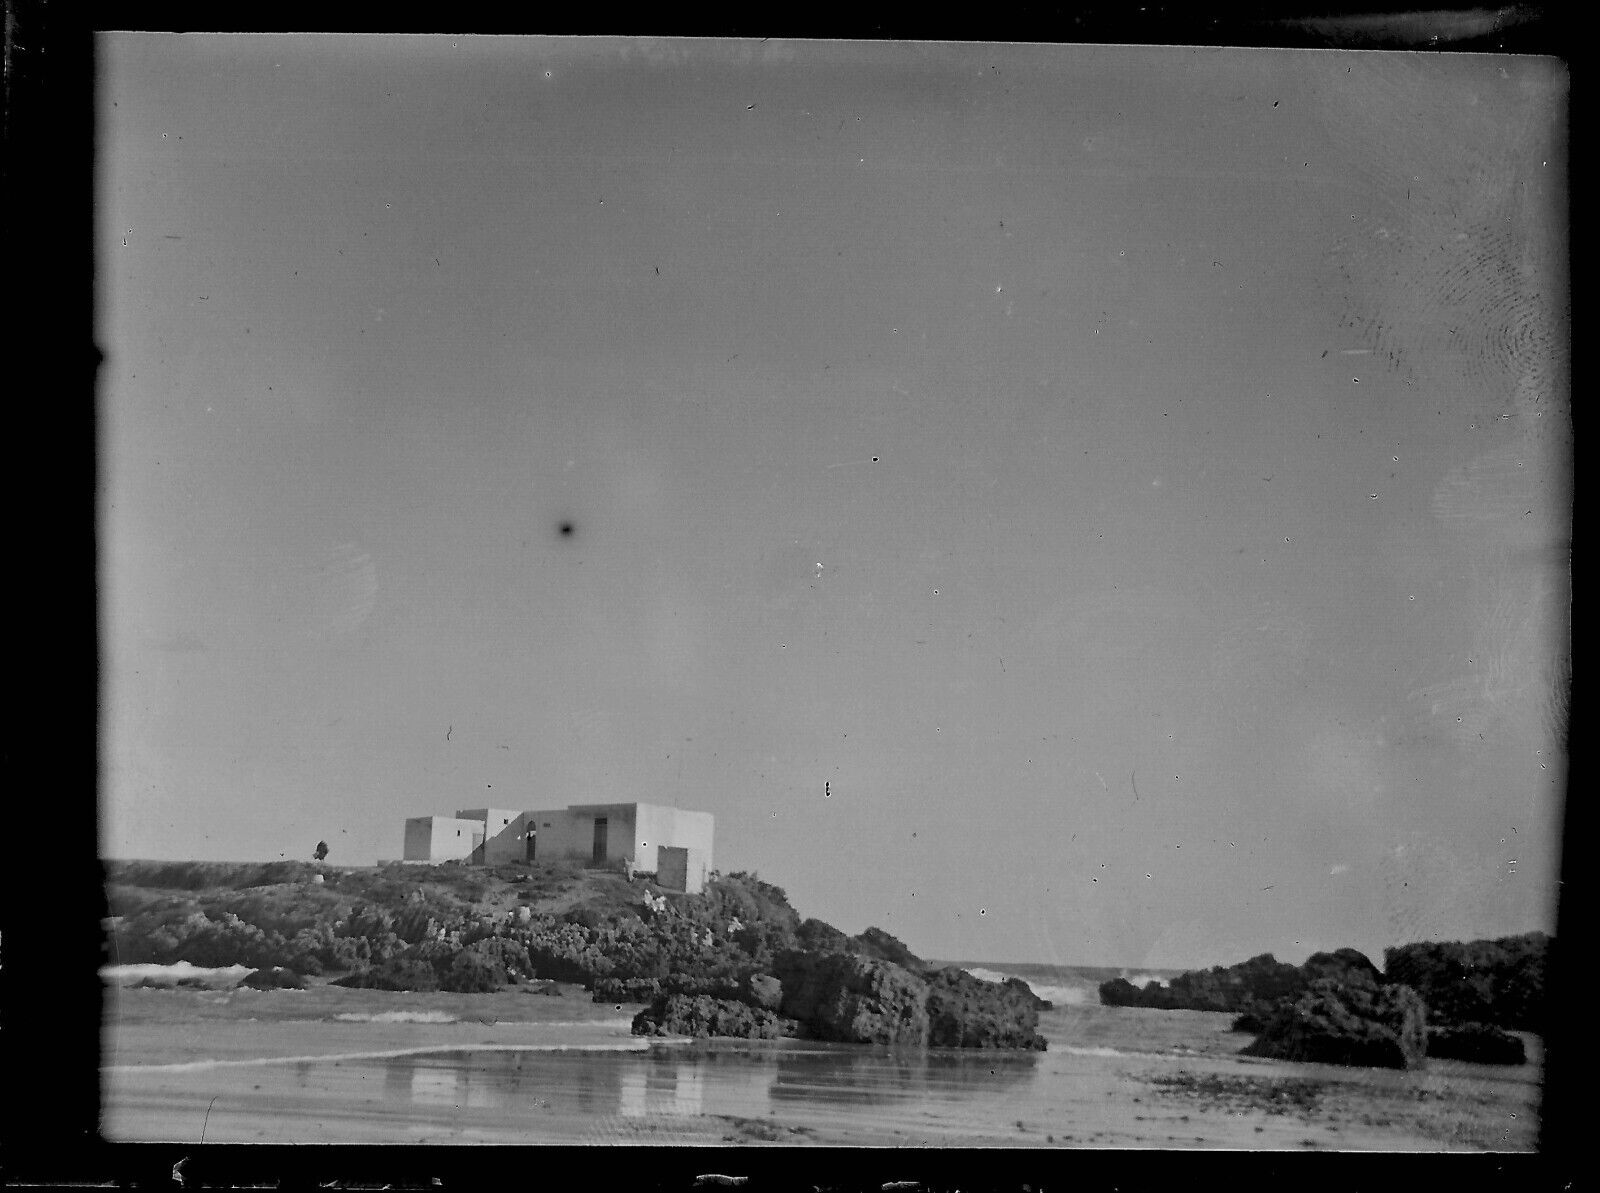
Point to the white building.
(442, 838)
(674, 844)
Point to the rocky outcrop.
(1344, 1024)
(1482, 1043)
(1499, 981)
(765, 991)
(1349, 967)
(1259, 982)
(276, 978)
(965, 1012)
(854, 999)
(1119, 992)
(882, 946)
(702, 1015)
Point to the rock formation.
(701, 1015)
(851, 998)
(1480, 1042)
(964, 1012)
(1347, 1024)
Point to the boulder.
(765, 991)
(1347, 1024)
(882, 946)
(276, 978)
(851, 998)
(1346, 966)
(967, 1012)
(1480, 1042)
(701, 1015)
(1119, 992)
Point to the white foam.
(397, 1017)
(987, 975)
(1076, 1050)
(1142, 980)
(1064, 996)
(171, 975)
(1061, 996)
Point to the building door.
(672, 867)
(599, 838)
(477, 849)
(533, 841)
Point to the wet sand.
(519, 1068)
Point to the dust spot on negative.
(567, 529)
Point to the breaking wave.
(1061, 996)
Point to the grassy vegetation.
(458, 928)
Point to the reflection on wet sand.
(690, 1081)
(878, 1076)
(1111, 1079)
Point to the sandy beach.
(331, 1065)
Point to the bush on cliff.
(1334, 1023)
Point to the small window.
(458, 832)
(504, 821)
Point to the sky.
(1079, 505)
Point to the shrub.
(394, 974)
(644, 990)
(700, 1016)
(1482, 1043)
(1340, 1024)
(473, 972)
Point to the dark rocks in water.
(1480, 1042)
(1260, 981)
(851, 998)
(1340, 1024)
(1119, 992)
(966, 1012)
(1499, 981)
(858, 999)
(701, 1016)
(276, 978)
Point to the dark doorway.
(533, 841)
(672, 868)
(599, 838)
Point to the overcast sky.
(1078, 505)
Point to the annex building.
(674, 844)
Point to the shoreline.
(331, 1065)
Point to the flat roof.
(627, 804)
